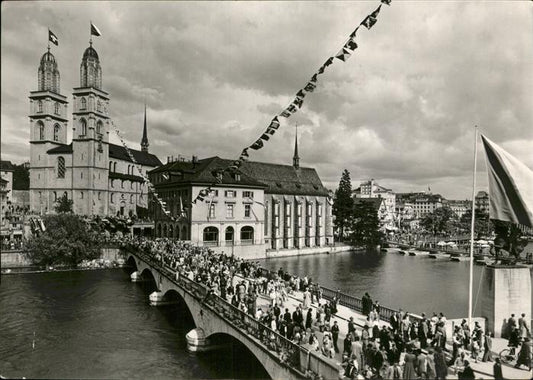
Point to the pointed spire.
(295, 158)
(144, 140)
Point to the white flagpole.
(471, 279)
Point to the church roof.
(6, 166)
(62, 149)
(201, 172)
(90, 53)
(118, 152)
(142, 158)
(277, 179)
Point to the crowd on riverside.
(404, 348)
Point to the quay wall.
(15, 259)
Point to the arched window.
(65, 194)
(98, 106)
(83, 127)
(99, 126)
(121, 184)
(247, 235)
(230, 232)
(40, 106)
(112, 200)
(165, 231)
(56, 132)
(83, 103)
(110, 166)
(210, 236)
(40, 128)
(61, 167)
(56, 108)
(171, 231)
(55, 196)
(131, 198)
(81, 194)
(114, 166)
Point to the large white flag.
(510, 186)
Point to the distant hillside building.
(422, 203)
(371, 189)
(482, 201)
(98, 176)
(459, 207)
(260, 207)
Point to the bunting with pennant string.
(343, 54)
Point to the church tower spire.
(296, 158)
(144, 140)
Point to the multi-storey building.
(421, 203)
(459, 207)
(6, 174)
(259, 207)
(370, 189)
(98, 176)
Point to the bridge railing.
(288, 353)
(351, 302)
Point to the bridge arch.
(242, 355)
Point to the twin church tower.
(99, 177)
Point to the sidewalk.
(482, 370)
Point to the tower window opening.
(40, 106)
(56, 132)
(61, 167)
(83, 103)
(83, 129)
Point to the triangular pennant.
(351, 45)
(369, 21)
(298, 102)
(309, 87)
(376, 12)
(352, 35)
(244, 153)
(265, 137)
(286, 113)
(274, 124)
(343, 55)
(300, 94)
(257, 145)
(270, 131)
(386, 2)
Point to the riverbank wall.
(277, 253)
(16, 260)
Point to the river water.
(97, 324)
(416, 284)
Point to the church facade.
(98, 176)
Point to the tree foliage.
(343, 203)
(67, 240)
(482, 224)
(21, 177)
(365, 225)
(63, 205)
(439, 221)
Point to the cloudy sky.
(401, 110)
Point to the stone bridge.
(216, 320)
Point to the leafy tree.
(482, 223)
(365, 224)
(343, 203)
(21, 177)
(67, 240)
(439, 221)
(63, 205)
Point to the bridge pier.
(136, 277)
(198, 342)
(157, 299)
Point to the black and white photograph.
(324, 190)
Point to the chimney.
(194, 161)
(168, 159)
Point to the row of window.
(131, 168)
(210, 234)
(40, 128)
(57, 107)
(230, 210)
(83, 105)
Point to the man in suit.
(351, 327)
(335, 335)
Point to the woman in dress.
(409, 372)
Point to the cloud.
(213, 74)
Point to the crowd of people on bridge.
(406, 347)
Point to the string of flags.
(296, 104)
